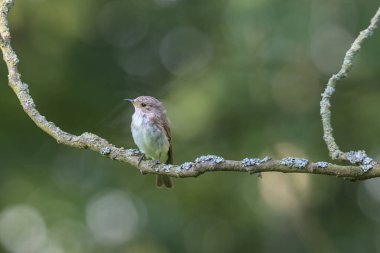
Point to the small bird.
(151, 133)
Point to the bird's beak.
(130, 100)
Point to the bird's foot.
(141, 159)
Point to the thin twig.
(355, 157)
(201, 165)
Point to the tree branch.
(202, 164)
(354, 157)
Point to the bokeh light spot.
(328, 46)
(373, 188)
(185, 50)
(112, 218)
(120, 26)
(22, 229)
(141, 61)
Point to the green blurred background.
(239, 78)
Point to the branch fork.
(354, 157)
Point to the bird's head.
(147, 104)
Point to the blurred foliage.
(239, 78)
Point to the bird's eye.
(143, 104)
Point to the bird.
(151, 133)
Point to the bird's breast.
(149, 137)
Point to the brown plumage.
(151, 132)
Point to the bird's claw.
(141, 159)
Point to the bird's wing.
(163, 121)
(168, 134)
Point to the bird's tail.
(164, 180)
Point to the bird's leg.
(141, 159)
